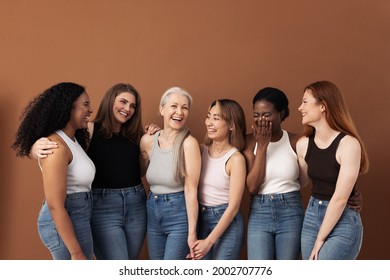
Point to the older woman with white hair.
(173, 162)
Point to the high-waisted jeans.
(79, 208)
(343, 242)
(229, 245)
(274, 226)
(167, 230)
(119, 222)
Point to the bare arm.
(256, 163)
(44, 146)
(302, 145)
(348, 155)
(146, 145)
(193, 166)
(54, 173)
(237, 171)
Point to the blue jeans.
(229, 245)
(343, 242)
(274, 227)
(167, 231)
(119, 222)
(79, 208)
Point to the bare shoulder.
(236, 163)
(303, 140)
(302, 144)
(349, 143)
(146, 139)
(190, 142)
(146, 143)
(237, 158)
(293, 137)
(62, 153)
(56, 138)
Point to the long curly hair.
(47, 113)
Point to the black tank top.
(323, 168)
(116, 160)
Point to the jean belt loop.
(283, 197)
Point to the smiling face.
(310, 108)
(81, 112)
(217, 127)
(175, 111)
(266, 110)
(124, 107)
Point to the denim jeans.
(229, 245)
(274, 227)
(79, 208)
(119, 222)
(167, 231)
(343, 242)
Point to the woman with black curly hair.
(119, 198)
(61, 113)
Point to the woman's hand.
(152, 128)
(201, 248)
(317, 247)
(43, 147)
(355, 201)
(262, 131)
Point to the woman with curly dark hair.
(119, 198)
(61, 113)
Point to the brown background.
(214, 49)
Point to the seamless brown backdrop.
(214, 49)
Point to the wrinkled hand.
(355, 201)
(43, 147)
(152, 128)
(262, 131)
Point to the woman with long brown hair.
(331, 155)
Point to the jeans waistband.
(79, 195)
(316, 202)
(75, 196)
(165, 196)
(118, 190)
(204, 208)
(276, 196)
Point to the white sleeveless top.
(282, 171)
(214, 182)
(81, 170)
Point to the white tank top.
(81, 170)
(282, 171)
(214, 182)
